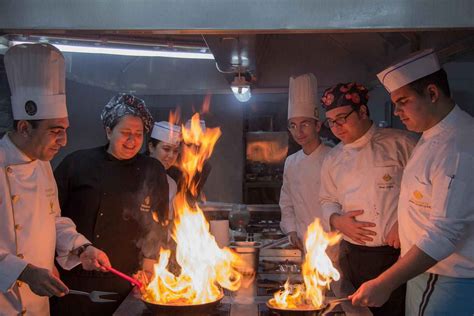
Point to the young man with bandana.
(31, 225)
(360, 185)
(299, 199)
(436, 207)
(118, 199)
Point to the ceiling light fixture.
(98, 49)
(241, 87)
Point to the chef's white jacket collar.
(314, 152)
(17, 156)
(447, 123)
(363, 140)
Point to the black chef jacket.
(112, 203)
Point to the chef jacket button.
(18, 227)
(101, 214)
(97, 236)
(9, 170)
(20, 256)
(15, 198)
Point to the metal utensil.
(276, 243)
(94, 296)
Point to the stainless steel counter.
(245, 302)
(251, 301)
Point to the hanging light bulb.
(241, 88)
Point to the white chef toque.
(414, 67)
(302, 101)
(36, 75)
(166, 132)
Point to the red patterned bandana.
(343, 94)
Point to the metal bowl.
(183, 309)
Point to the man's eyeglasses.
(304, 125)
(339, 121)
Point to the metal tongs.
(95, 296)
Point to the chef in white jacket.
(31, 227)
(165, 145)
(299, 197)
(360, 185)
(436, 207)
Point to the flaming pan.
(180, 309)
(306, 310)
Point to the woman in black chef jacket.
(118, 199)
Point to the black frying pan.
(307, 311)
(180, 309)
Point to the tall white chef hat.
(302, 101)
(36, 75)
(414, 67)
(166, 132)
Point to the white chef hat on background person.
(166, 132)
(302, 101)
(414, 67)
(36, 75)
(202, 124)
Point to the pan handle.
(124, 276)
(333, 304)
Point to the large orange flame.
(205, 267)
(317, 270)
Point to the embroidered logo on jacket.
(417, 194)
(145, 206)
(51, 207)
(387, 183)
(417, 199)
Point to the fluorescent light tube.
(125, 51)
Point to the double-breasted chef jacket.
(31, 228)
(299, 198)
(436, 207)
(366, 175)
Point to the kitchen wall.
(225, 181)
(85, 102)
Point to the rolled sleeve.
(11, 267)
(452, 209)
(67, 239)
